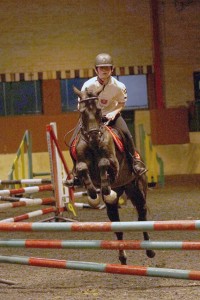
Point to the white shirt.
(114, 93)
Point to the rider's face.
(104, 72)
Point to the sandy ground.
(173, 202)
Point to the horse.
(102, 165)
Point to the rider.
(112, 100)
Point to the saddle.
(116, 138)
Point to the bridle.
(89, 135)
(87, 99)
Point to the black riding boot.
(138, 167)
(133, 158)
(137, 164)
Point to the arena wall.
(48, 41)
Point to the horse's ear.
(77, 92)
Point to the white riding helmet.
(103, 60)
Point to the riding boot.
(138, 167)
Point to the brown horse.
(101, 165)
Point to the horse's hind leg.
(142, 213)
(139, 201)
(113, 215)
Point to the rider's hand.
(110, 116)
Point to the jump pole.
(29, 215)
(27, 190)
(60, 158)
(55, 167)
(102, 267)
(183, 225)
(101, 244)
(24, 202)
(56, 157)
(25, 181)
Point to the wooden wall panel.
(15, 127)
(169, 126)
(51, 97)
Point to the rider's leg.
(137, 165)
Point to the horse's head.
(91, 114)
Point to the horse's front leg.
(83, 175)
(109, 196)
(113, 215)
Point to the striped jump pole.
(183, 225)
(55, 167)
(27, 190)
(88, 206)
(57, 161)
(101, 244)
(83, 194)
(102, 267)
(24, 202)
(25, 181)
(38, 201)
(29, 215)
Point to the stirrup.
(138, 171)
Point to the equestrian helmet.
(103, 60)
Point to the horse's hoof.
(123, 260)
(111, 198)
(150, 253)
(94, 202)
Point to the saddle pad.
(116, 138)
(119, 142)
(73, 149)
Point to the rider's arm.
(119, 107)
(121, 100)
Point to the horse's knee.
(103, 164)
(81, 168)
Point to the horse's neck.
(93, 123)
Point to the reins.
(87, 99)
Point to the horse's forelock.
(90, 93)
